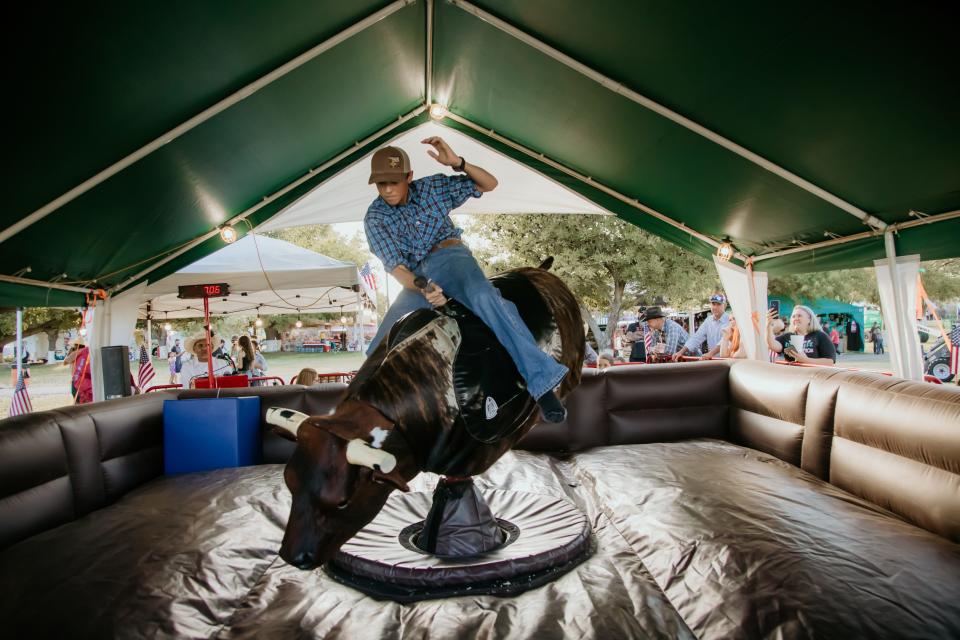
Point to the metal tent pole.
(358, 320)
(19, 351)
(149, 333)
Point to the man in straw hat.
(409, 229)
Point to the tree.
(324, 240)
(38, 320)
(941, 279)
(609, 264)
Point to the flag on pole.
(955, 349)
(369, 276)
(21, 399)
(648, 340)
(146, 373)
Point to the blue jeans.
(456, 271)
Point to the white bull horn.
(287, 419)
(361, 453)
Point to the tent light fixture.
(438, 111)
(258, 322)
(725, 250)
(228, 234)
(167, 327)
(298, 324)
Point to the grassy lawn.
(50, 383)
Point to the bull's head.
(340, 475)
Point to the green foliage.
(848, 285)
(37, 320)
(324, 240)
(941, 279)
(610, 265)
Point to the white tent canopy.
(292, 279)
(346, 196)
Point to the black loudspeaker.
(116, 372)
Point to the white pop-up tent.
(265, 275)
(346, 196)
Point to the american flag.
(648, 340)
(955, 349)
(146, 373)
(21, 400)
(369, 276)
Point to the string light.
(298, 324)
(258, 322)
(167, 327)
(228, 234)
(725, 251)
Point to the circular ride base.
(544, 538)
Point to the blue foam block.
(210, 433)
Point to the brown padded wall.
(35, 489)
(768, 406)
(60, 465)
(586, 424)
(897, 444)
(664, 402)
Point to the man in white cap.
(409, 229)
(710, 330)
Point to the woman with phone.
(804, 341)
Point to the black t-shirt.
(815, 345)
(638, 353)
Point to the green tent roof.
(860, 101)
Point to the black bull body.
(440, 394)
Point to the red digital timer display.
(204, 290)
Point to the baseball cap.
(718, 297)
(390, 164)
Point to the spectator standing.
(876, 336)
(711, 329)
(81, 380)
(834, 337)
(175, 361)
(811, 345)
(666, 336)
(730, 346)
(246, 363)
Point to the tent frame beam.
(202, 117)
(894, 227)
(428, 66)
(43, 284)
(268, 199)
(632, 202)
(656, 107)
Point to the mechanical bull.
(439, 394)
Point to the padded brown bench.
(744, 500)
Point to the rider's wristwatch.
(462, 166)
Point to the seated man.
(410, 231)
(196, 366)
(663, 334)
